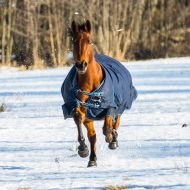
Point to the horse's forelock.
(82, 27)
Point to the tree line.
(34, 33)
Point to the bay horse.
(97, 87)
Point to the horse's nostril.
(84, 63)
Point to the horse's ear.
(74, 27)
(88, 26)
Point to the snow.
(38, 148)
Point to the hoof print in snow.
(184, 125)
(57, 160)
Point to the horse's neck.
(92, 78)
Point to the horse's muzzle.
(81, 66)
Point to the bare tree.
(133, 29)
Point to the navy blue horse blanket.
(115, 94)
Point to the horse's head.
(82, 48)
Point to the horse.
(97, 87)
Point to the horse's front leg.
(79, 116)
(92, 139)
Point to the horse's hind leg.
(114, 143)
(107, 128)
(78, 118)
(92, 139)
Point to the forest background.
(34, 33)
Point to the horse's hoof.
(113, 145)
(83, 153)
(92, 164)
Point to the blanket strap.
(96, 105)
(94, 93)
(94, 99)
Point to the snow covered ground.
(38, 148)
